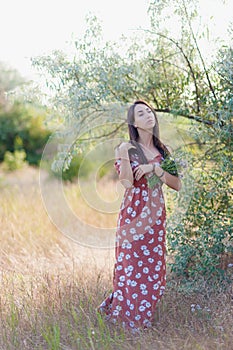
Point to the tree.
(172, 74)
(21, 125)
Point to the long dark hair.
(134, 135)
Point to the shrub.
(15, 160)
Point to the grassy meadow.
(50, 286)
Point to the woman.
(140, 270)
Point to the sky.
(30, 28)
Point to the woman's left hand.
(142, 170)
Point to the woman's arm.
(126, 173)
(170, 180)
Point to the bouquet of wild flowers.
(170, 165)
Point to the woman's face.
(143, 117)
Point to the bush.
(22, 127)
(15, 160)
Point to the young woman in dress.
(140, 268)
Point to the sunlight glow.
(30, 28)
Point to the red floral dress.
(140, 271)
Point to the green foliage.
(74, 170)
(170, 73)
(22, 127)
(15, 160)
(205, 236)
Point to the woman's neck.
(146, 139)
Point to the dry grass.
(51, 286)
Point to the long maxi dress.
(140, 269)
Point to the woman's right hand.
(124, 147)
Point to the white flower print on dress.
(120, 284)
(132, 230)
(144, 292)
(129, 210)
(145, 270)
(118, 307)
(130, 268)
(141, 308)
(150, 220)
(146, 252)
(139, 224)
(142, 217)
(142, 286)
(161, 200)
(155, 192)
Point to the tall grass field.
(50, 285)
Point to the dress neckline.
(157, 155)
